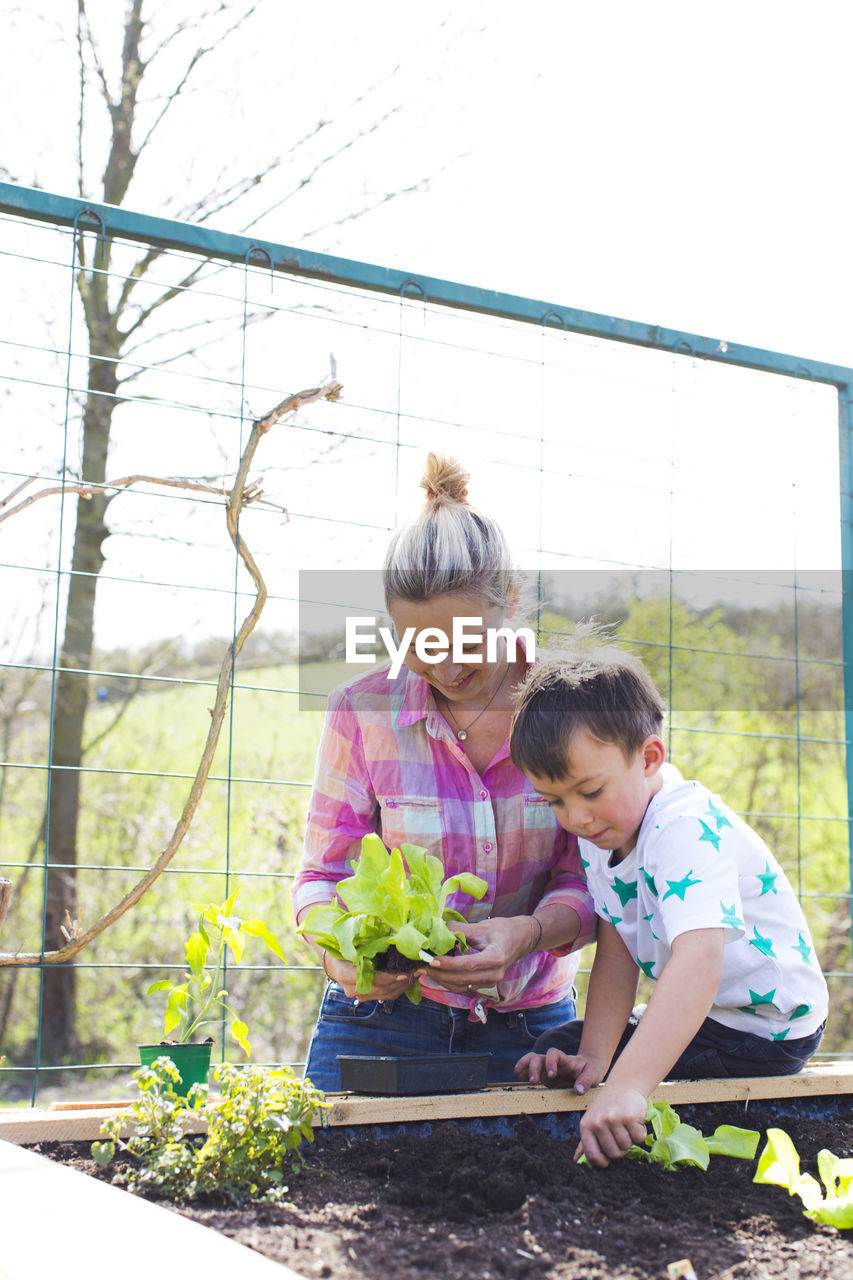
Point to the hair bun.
(444, 480)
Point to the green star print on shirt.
(626, 890)
(768, 880)
(731, 919)
(680, 887)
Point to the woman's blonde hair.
(450, 547)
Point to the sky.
(669, 163)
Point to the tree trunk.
(59, 1039)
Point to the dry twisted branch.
(236, 499)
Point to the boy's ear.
(654, 754)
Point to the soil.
(466, 1205)
(393, 961)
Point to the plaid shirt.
(388, 763)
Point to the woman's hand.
(495, 945)
(386, 986)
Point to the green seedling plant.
(673, 1144)
(201, 998)
(255, 1127)
(779, 1165)
(396, 899)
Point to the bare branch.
(172, 292)
(83, 21)
(252, 317)
(166, 649)
(173, 96)
(321, 164)
(141, 267)
(18, 489)
(203, 208)
(81, 9)
(329, 390)
(134, 276)
(253, 493)
(178, 30)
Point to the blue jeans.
(398, 1028)
(715, 1051)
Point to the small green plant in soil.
(779, 1165)
(673, 1143)
(395, 905)
(201, 998)
(255, 1127)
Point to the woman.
(423, 758)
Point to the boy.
(684, 890)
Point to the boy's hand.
(614, 1120)
(558, 1070)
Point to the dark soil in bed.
(462, 1205)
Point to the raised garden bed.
(457, 1199)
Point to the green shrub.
(255, 1126)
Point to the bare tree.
(117, 322)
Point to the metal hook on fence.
(88, 214)
(682, 342)
(560, 320)
(802, 371)
(410, 283)
(258, 251)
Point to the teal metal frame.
(165, 233)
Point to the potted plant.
(395, 918)
(201, 999)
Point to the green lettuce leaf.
(729, 1140)
(779, 1165)
(395, 898)
(673, 1143)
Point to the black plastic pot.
(433, 1073)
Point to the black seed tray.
(433, 1073)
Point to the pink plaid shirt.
(388, 763)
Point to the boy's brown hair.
(600, 688)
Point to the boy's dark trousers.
(714, 1051)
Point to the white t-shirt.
(697, 865)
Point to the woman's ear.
(513, 599)
(654, 753)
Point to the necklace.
(462, 734)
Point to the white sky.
(669, 162)
(678, 163)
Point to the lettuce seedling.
(396, 899)
(779, 1165)
(672, 1142)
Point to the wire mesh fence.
(661, 484)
